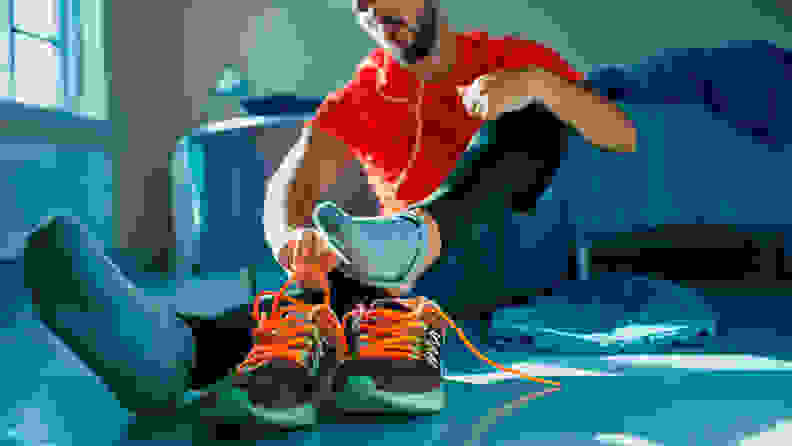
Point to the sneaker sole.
(228, 401)
(360, 394)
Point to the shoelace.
(275, 338)
(398, 339)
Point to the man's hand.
(492, 94)
(309, 259)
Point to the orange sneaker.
(296, 348)
(394, 362)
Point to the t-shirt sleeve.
(340, 113)
(510, 53)
(334, 117)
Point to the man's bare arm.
(310, 167)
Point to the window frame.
(67, 42)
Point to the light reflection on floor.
(779, 434)
(746, 363)
(707, 362)
(623, 440)
(532, 369)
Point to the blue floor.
(51, 398)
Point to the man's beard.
(426, 35)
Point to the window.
(39, 51)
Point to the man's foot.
(289, 368)
(394, 362)
(359, 241)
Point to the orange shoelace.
(289, 337)
(274, 338)
(396, 339)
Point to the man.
(407, 117)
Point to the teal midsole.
(360, 394)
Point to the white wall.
(143, 49)
(216, 33)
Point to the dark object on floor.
(142, 355)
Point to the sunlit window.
(33, 51)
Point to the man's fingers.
(305, 245)
(310, 258)
(311, 247)
(296, 255)
(290, 257)
(286, 255)
(317, 245)
(328, 261)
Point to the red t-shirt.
(381, 133)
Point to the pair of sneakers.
(382, 358)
